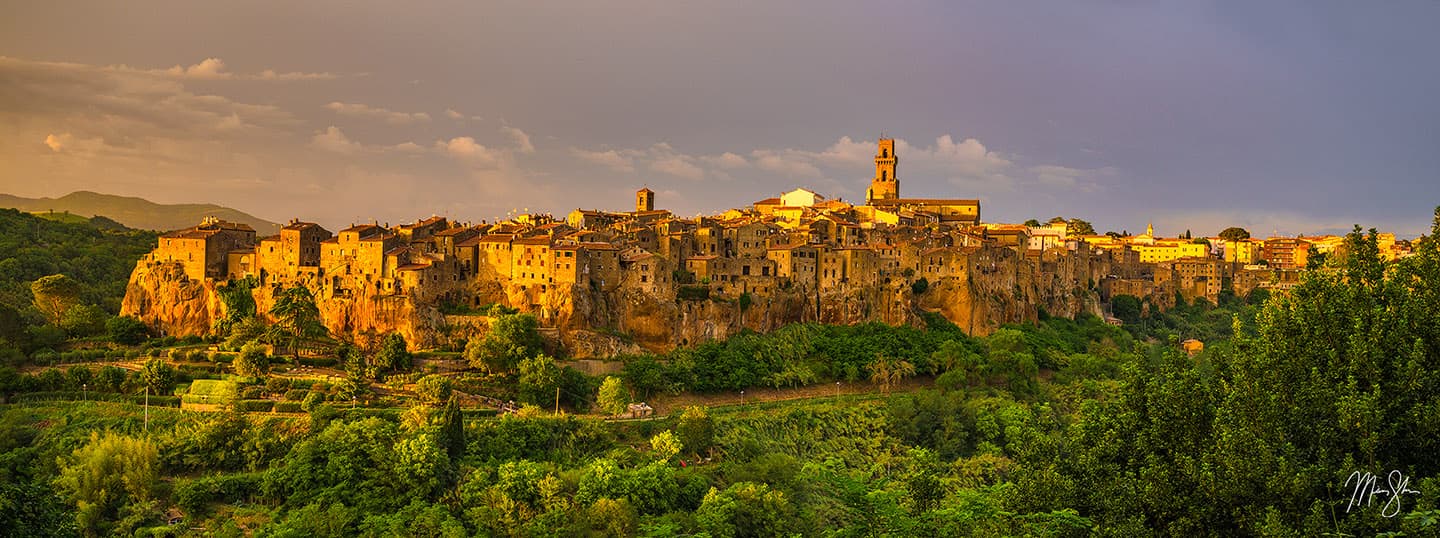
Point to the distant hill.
(137, 213)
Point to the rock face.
(163, 297)
(998, 286)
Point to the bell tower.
(644, 200)
(885, 185)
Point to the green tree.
(126, 330)
(54, 295)
(745, 509)
(666, 445)
(613, 398)
(84, 320)
(955, 357)
(1033, 223)
(1075, 227)
(1126, 308)
(511, 338)
(539, 376)
(888, 371)
(1235, 233)
(433, 389)
(157, 376)
(394, 355)
(110, 477)
(452, 431)
(696, 429)
(252, 361)
(297, 319)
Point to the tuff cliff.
(998, 286)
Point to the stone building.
(204, 250)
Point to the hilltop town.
(606, 281)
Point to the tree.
(126, 330)
(1032, 223)
(1235, 233)
(252, 361)
(613, 398)
(512, 338)
(744, 509)
(54, 295)
(888, 371)
(157, 376)
(919, 286)
(666, 445)
(696, 429)
(1079, 227)
(954, 356)
(452, 431)
(1126, 308)
(394, 355)
(539, 376)
(297, 319)
(111, 475)
(433, 389)
(83, 320)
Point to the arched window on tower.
(885, 154)
(883, 174)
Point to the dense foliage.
(62, 279)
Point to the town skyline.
(1283, 119)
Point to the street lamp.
(742, 397)
(837, 389)
(84, 391)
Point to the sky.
(1281, 117)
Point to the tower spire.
(885, 185)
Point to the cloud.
(214, 69)
(453, 114)
(334, 140)
(521, 139)
(209, 68)
(359, 110)
(678, 166)
(726, 161)
(1084, 179)
(790, 163)
(57, 143)
(465, 149)
(611, 159)
(847, 152)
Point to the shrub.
(287, 407)
(296, 395)
(255, 405)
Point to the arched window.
(883, 174)
(885, 154)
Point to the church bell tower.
(885, 186)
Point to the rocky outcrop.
(160, 295)
(997, 286)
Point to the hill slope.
(136, 212)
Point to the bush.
(296, 395)
(194, 495)
(318, 362)
(255, 405)
(433, 389)
(287, 407)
